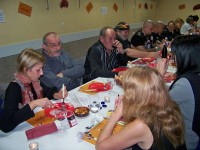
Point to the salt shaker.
(107, 99)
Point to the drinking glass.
(94, 106)
(60, 115)
(112, 83)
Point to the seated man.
(122, 34)
(168, 33)
(157, 34)
(101, 56)
(123, 31)
(59, 67)
(142, 39)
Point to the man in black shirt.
(123, 31)
(142, 39)
(101, 57)
(168, 32)
(157, 34)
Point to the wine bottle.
(164, 52)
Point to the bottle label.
(71, 119)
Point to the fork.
(104, 85)
(63, 104)
(63, 95)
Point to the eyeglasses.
(53, 46)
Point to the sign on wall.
(24, 9)
(2, 18)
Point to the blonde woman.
(26, 92)
(153, 120)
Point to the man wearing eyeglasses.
(59, 67)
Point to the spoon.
(89, 127)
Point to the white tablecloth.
(69, 140)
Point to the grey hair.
(103, 30)
(48, 34)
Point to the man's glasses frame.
(53, 46)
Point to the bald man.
(142, 39)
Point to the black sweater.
(12, 115)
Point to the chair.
(1, 106)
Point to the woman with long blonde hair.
(153, 120)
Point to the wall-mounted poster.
(2, 18)
(24, 9)
(115, 7)
(139, 6)
(146, 6)
(196, 7)
(151, 6)
(182, 6)
(89, 7)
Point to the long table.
(68, 140)
(152, 63)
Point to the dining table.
(71, 138)
(170, 74)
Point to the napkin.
(98, 86)
(93, 134)
(94, 87)
(40, 119)
(41, 131)
(120, 69)
(150, 59)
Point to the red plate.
(98, 86)
(152, 65)
(148, 59)
(138, 62)
(119, 69)
(168, 76)
(50, 112)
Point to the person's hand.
(154, 54)
(118, 100)
(162, 66)
(118, 80)
(60, 75)
(59, 94)
(121, 73)
(160, 46)
(43, 102)
(118, 107)
(118, 46)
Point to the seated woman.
(26, 92)
(153, 120)
(185, 89)
(178, 24)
